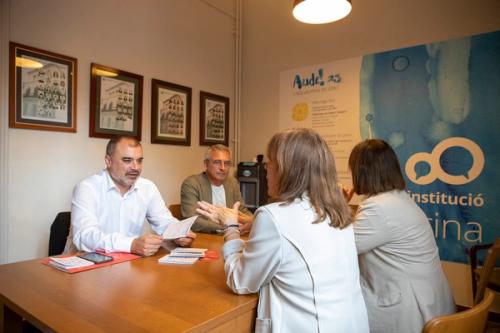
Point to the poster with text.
(326, 98)
(438, 106)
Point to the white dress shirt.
(104, 220)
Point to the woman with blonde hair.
(300, 255)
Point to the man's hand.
(186, 241)
(146, 245)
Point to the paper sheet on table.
(179, 229)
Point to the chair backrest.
(59, 231)
(474, 263)
(175, 209)
(489, 265)
(468, 321)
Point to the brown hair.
(306, 165)
(375, 168)
(111, 146)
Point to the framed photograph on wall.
(42, 89)
(170, 113)
(115, 102)
(214, 119)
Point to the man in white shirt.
(108, 209)
(216, 187)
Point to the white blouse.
(307, 274)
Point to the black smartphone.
(95, 257)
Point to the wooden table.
(135, 296)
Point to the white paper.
(71, 262)
(179, 229)
(168, 259)
(188, 252)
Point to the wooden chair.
(175, 209)
(468, 321)
(488, 275)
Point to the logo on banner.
(300, 111)
(315, 79)
(435, 170)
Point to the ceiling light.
(27, 63)
(321, 11)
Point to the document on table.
(168, 259)
(74, 264)
(183, 255)
(179, 229)
(188, 252)
(67, 263)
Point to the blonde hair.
(306, 165)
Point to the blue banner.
(438, 105)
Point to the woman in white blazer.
(401, 276)
(300, 255)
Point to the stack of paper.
(177, 260)
(67, 263)
(189, 252)
(182, 255)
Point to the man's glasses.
(219, 163)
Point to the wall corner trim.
(4, 120)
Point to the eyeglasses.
(219, 163)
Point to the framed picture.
(42, 89)
(170, 113)
(214, 119)
(115, 102)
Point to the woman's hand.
(244, 218)
(347, 191)
(221, 215)
(245, 222)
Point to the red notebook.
(118, 257)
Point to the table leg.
(10, 321)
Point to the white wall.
(273, 41)
(186, 42)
